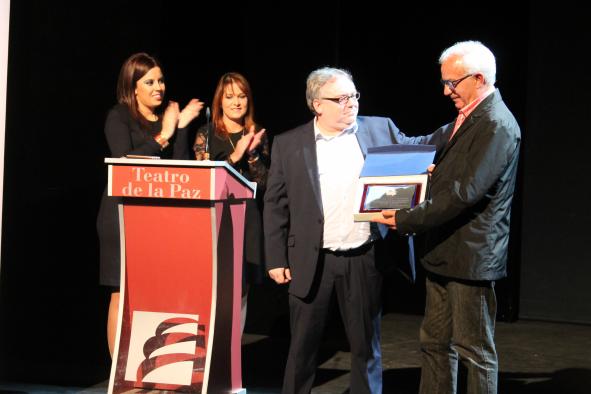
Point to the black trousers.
(352, 275)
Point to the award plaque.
(379, 197)
(393, 177)
(388, 192)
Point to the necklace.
(230, 139)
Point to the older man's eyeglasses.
(343, 100)
(452, 84)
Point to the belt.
(358, 251)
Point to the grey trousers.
(459, 325)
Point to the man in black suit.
(465, 222)
(311, 240)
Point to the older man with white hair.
(465, 224)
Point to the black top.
(220, 149)
(125, 135)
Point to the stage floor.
(534, 357)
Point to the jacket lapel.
(469, 122)
(363, 136)
(311, 161)
(465, 126)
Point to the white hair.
(476, 57)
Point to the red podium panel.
(182, 225)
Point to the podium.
(181, 225)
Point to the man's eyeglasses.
(343, 100)
(453, 84)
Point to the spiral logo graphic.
(166, 349)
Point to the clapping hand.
(190, 112)
(242, 145)
(256, 139)
(247, 144)
(170, 120)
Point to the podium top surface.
(166, 171)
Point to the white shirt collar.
(318, 134)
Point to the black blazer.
(466, 217)
(293, 217)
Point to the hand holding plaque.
(393, 177)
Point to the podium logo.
(166, 349)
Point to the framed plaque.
(388, 192)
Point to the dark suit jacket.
(466, 218)
(293, 217)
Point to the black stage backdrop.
(64, 57)
(555, 240)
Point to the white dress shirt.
(340, 161)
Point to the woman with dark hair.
(235, 137)
(137, 126)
